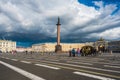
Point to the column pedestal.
(58, 48)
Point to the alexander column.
(58, 47)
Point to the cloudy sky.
(33, 21)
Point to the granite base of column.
(58, 49)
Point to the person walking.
(70, 53)
(78, 52)
(26, 52)
(73, 52)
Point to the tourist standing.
(70, 53)
(73, 52)
(78, 52)
(26, 52)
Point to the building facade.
(7, 46)
(114, 46)
(23, 49)
(50, 47)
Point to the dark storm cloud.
(35, 20)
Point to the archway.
(101, 48)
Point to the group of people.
(74, 52)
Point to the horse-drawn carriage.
(88, 50)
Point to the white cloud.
(107, 34)
(40, 16)
(83, 14)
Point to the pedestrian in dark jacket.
(73, 52)
(70, 53)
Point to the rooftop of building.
(6, 41)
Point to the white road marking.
(90, 59)
(14, 59)
(87, 67)
(80, 63)
(100, 62)
(51, 60)
(93, 76)
(111, 66)
(2, 57)
(98, 58)
(26, 62)
(22, 72)
(47, 66)
(7, 58)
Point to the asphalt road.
(59, 67)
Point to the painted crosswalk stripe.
(100, 62)
(80, 63)
(47, 66)
(52, 60)
(14, 59)
(22, 72)
(87, 67)
(111, 66)
(7, 58)
(93, 76)
(26, 62)
(2, 57)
